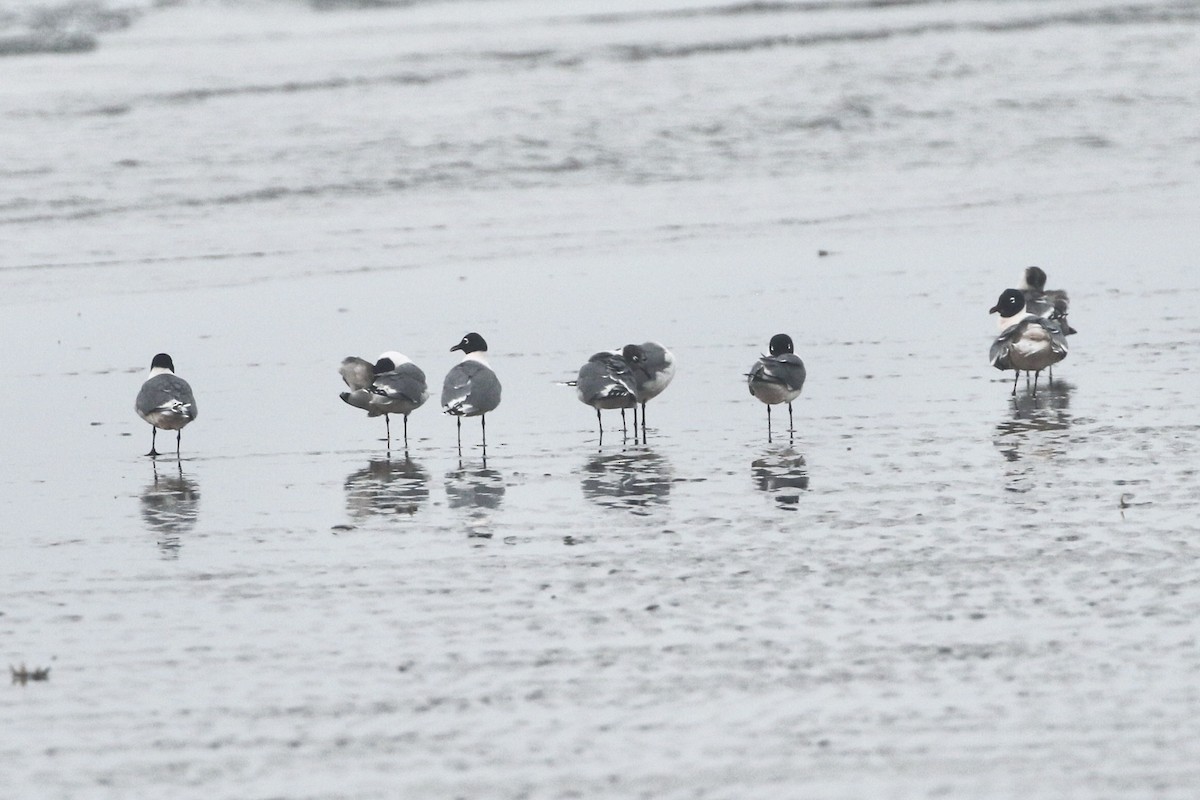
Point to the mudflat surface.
(930, 589)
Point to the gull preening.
(392, 385)
(471, 388)
(1042, 302)
(653, 367)
(607, 382)
(1027, 341)
(165, 401)
(778, 377)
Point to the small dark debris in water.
(823, 743)
(405, 667)
(976, 615)
(570, 540)
(22, 675)
(342, 528)
(823, 253)
(652, 607)
(1126, 501)
(94, 424)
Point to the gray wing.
(605, 376)
(1062, 304)
(785, 369)
(406, 382)
(1059, 300)
(359, 398)
(998, 354)
(1039, 306)
(1058, 335)
(470, 388)
(167, 394)
(358, 373)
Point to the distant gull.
(392, 385)
(471, 388)
(165, 401)
(653, 368)
(607, 382)
(778, 378)
(1026, 341)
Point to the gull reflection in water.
(170, 506)
(782, 474)
(635, 480)
(478, 491)
(385, 488)
(1038, 425)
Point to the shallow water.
(931, 589)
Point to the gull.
(471, 388)
(1052, 304)
(778, 377)
(607, 382)
(165, 401)
(392, 385)
(1026, 341)
(653, 368)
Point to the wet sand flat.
(931, 589)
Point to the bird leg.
(1016, 376)
(178, 438)
(768, 424)
(791, 425)
(387, 422)
(153, 435)
(600, 425)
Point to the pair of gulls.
(625, 378)
(395, 385)
(1033, 328)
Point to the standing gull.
(607, 382)
(653, 368)
(165, 401)
(471, 388)
(778, 377)
(393, 385)
(1026, 341)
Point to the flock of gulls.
(1033, 337)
